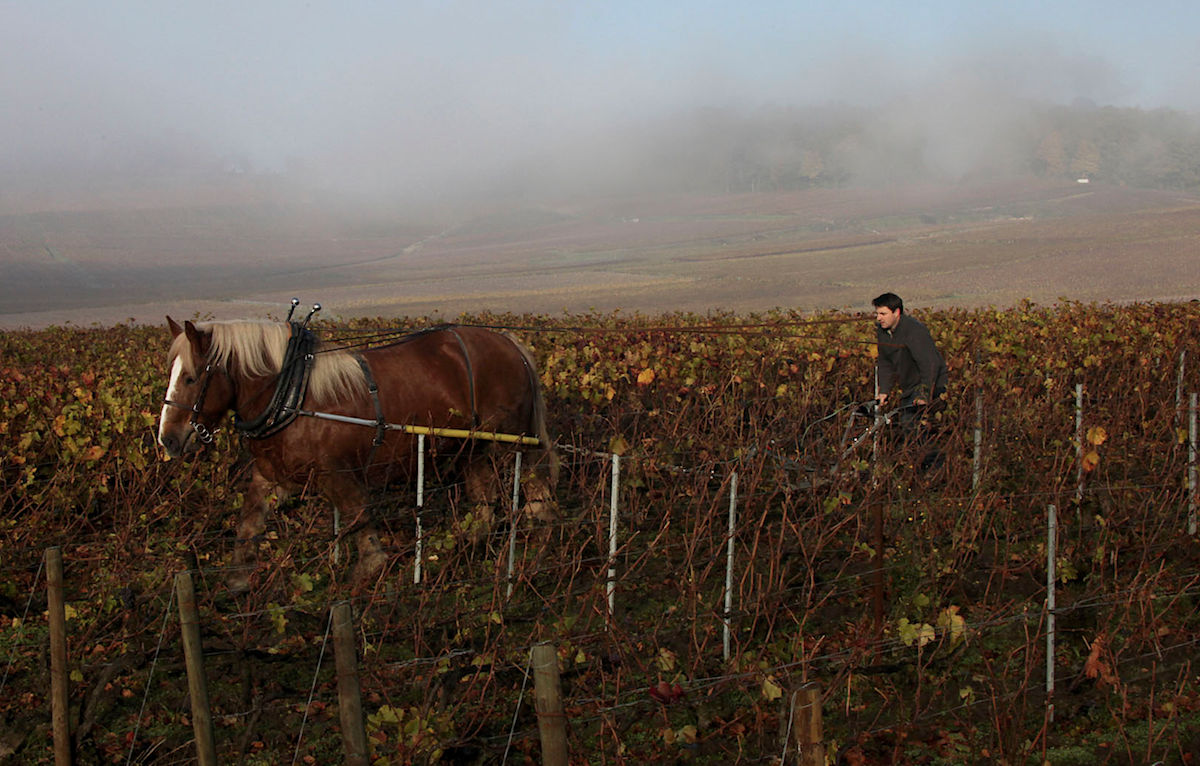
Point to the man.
(907, 358)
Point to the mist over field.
(466, 98)
(278, 140)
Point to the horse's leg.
(538, 483)
(482, 491)
(347, 495)
(261, 497)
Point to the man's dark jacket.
(908, 357)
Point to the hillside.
(962, 245)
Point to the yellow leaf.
(77, 676)
(645, 377)
(950, 620)
(1096, 436)
(925, 634)
(771, 690)
(302, 582)
(618, 445)
(781, 389)
(1091, 460)
(665, 660)
(278, 618)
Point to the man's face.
(886, 318)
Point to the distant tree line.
(791, 148)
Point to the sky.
(386, 95)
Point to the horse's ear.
(174, 327)
(200, 340)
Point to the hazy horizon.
(464, 97)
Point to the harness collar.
(290, 387)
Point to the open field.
(962, 246)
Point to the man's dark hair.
(891, 300)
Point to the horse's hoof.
(542, 510)
(238, 583)
(478, 535)
(369, 567)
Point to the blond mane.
(256, 348)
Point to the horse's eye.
(189, 381)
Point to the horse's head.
(198, 395)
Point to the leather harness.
(470, 375)
(290, 387)
(292, 384)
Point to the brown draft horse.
(451, 377)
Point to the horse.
(449, 377)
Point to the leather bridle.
(206, 436)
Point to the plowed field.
(936, 246)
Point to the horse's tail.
(538, 426)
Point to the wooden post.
(193, 655)
(1179, 379)
(878, 424)
(1079, 448)
(1051, 556)
(612, 536)
(547, 689)
(877, 584)
(59, 673)
(977, 463)
(337, 535)
(420, 505)
(809, 728)
(350, 712)
(1192, 465)
(733, 479)
(514, 522)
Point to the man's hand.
(881, 399)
